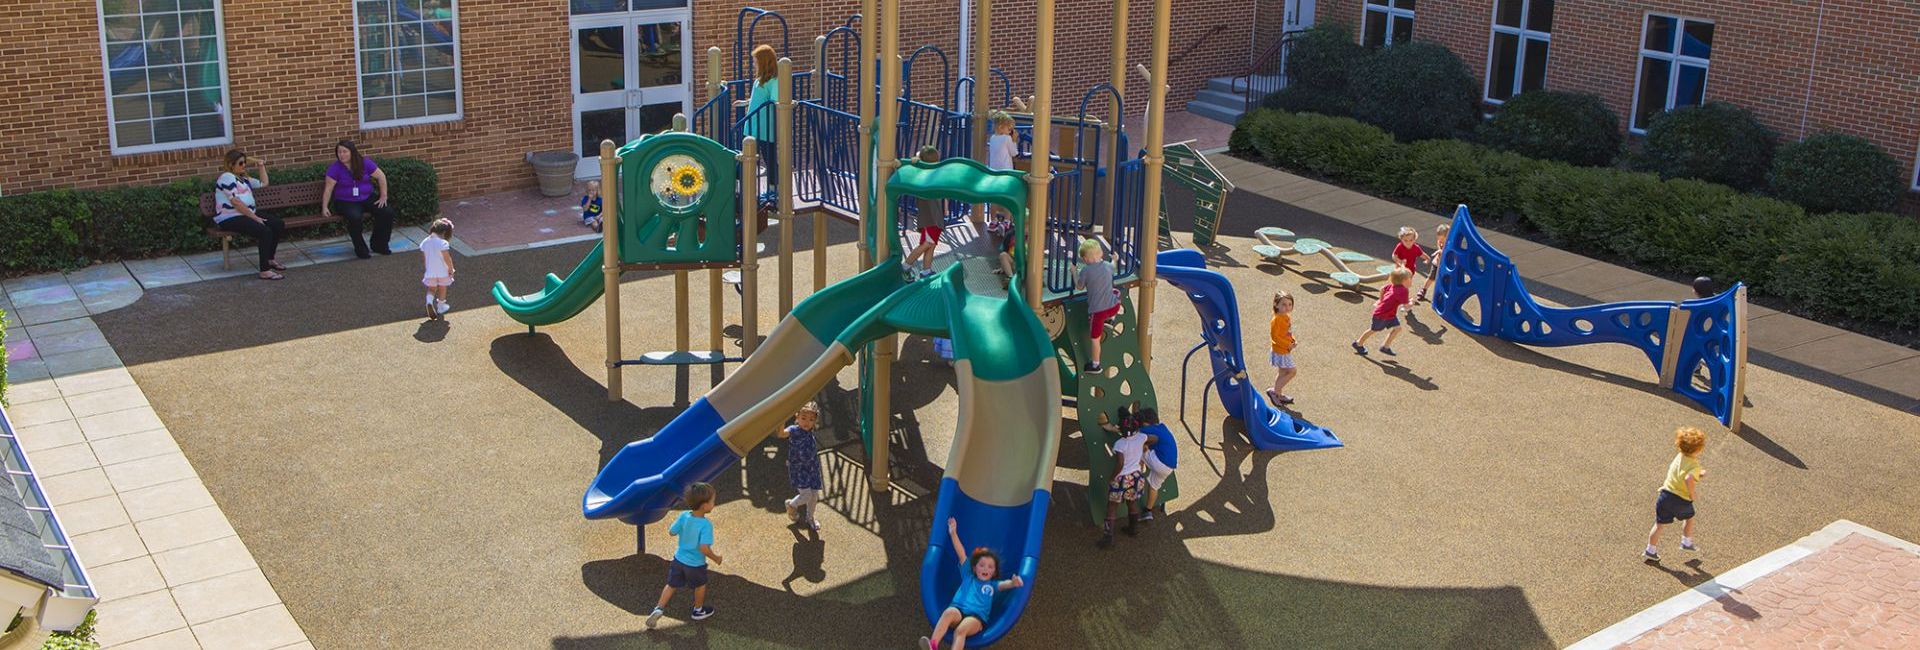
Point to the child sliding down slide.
(967, 615)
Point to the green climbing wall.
(1122, 380)
(1188, 167)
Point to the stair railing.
(1267, 74)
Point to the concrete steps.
(1224, 99)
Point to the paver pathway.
(1855, 363)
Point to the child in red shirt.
(1407, 254)
(1386, 311)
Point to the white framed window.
(409, 59)
(165, 67)
(1674, 53)
(1385, 22)
(1916, 171)
(1517, 52)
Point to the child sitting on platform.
(967, 614)
(590, 206)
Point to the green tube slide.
(560, 299)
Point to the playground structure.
(691, 199)
(1271, 249)
(1701, 337)
(1213, 297)
(1188, 167)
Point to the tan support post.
(1739, 358)
(869, 52)
(1042, 169)
(682, 297)
(1116, 118)
(1677, 317)
(714, 82)
(783, 185)
(749, 243)
(716, 311)
(680, 122)
(884, 235)
(1149, 219)
(819, 214)
(610, 263)
(982, 87)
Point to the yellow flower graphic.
(687, 180)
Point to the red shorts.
(1100, 318)
(930, 235)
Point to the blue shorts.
(964, 614)
(1670, 507)
(1386, 323)
(682, 576)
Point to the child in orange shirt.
(1281, 356)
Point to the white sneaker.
(1687, 543)
(793, 514)
(654, 618)
(443, 308)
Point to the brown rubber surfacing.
(404, 484)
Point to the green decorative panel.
(1190, 168)
(678, 194)
(1121, 381)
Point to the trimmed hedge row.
(58, 229)
(1855, 266)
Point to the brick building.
(111, 92)
(1802, 66)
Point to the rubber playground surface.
(406, 482)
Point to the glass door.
(629, 79)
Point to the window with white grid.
(166, 74)
(409, 58)
(1517, 57)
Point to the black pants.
(266, 234)
(354, 212)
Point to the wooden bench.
(277, 195)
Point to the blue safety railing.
(1129, 214)
(829, 140)
(963, 90)
(946, 75)
(744, 38)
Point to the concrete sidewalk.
(1855, 363)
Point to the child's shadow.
(1427, 334)
(1395, 370)
(809, 557)
(431, 331)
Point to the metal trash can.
(554, 170)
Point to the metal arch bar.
(1185, 364)
(906, 70)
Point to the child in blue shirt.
(691, 552)
(590, 206)
(967, 614)
(803, 465)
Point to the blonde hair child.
(1439, 253)
(1386, 311)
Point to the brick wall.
(1862, 77)
(293, 92)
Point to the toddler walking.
(1439, 253)
(439, 260)
(1280, 328)
(967, 614)
(694, 546)
(1680, 490)
(930, 218)
(1386, 312)
(803, 465)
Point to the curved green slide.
(560, 299)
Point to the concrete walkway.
(1855, 363)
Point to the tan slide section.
(1008, 435)
(776, 403)
(788, 351)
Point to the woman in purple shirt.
(351, 183)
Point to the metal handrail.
(1273, 55)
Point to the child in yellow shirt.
(1679, 491)
(1281, 356)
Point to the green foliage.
(1301, 99)
(1855, 266)
(81, 638)
(1322, 57)
(1834, 172)
(1715, 142)
(1415, 91)
(58, 229)
(1573, 128)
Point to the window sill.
(188, 154)
(428, 128)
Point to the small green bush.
(57, 229)
(1322, 57)
(1835, 172)
(1573, 128)
(1415, 91)
(1334, 147)
(1715, 142)
(1301, 99)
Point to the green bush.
(1301, 99)
(1322, 57)
(1715, 142)
(1835, 172)
(57, 229)
(1572, 128)
(1334, 147)
(1415, 91)
(1853, 266)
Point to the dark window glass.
(1375, 34)
(1402, 29)
(1659, 34)
(1500, 79)
(598, 7)
(610, 124)
(1691, 88)
(659, 47)
(1540, 16)
(1403, 4)
(602, 60)
(1507, 13)
(1533, 76)
(1697, 40)
(1654, 78)
(655, 118)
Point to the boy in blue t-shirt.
(967, 614)
(691, 552)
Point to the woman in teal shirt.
(760, 126)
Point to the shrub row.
(58, 229)
(1856, 266)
